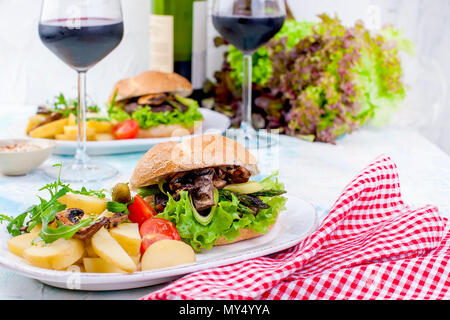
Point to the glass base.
(252, 139)
(79, 172)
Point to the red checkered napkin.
(370, 246)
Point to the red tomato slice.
(156, 229)
(127, 129)
(140, 211)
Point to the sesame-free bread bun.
(151, 82)
(244, 234)
(193, 153)
(162, 131)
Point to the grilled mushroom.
(70, 217)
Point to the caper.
(121, 193)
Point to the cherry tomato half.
(140, 211)
(156, 229)
(127, 129)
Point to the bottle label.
(199, 44)
(161, 43)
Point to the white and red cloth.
(370, 246)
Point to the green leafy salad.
(317, 80)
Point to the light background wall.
(31, 74)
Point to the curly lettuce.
(227, 220)
(318, 80)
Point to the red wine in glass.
(82, 46)
(248, 25)
(81, 33)
(248, 33)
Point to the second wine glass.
(248, 25)
(81, 33)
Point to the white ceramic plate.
(292, 227)
(214, 122)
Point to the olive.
(121, 193)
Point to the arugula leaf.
(117, 207)
(69, 106)
(45, 212)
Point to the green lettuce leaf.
(226, 221)
(148, 119)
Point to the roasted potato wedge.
(90, 205)
(100, 126)
(107, 248)
(49, 130)
(98, 265)
(19, 244)
(127, 235)
(34, 120)
(57, 255)
(72, 132)
(167, 253)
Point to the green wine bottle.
(178, 38)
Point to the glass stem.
(246, 123)
(81, 158)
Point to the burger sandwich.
(158, 102)
(204, 186)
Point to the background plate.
(214, 122)
(292, 227)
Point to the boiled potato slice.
(63, 137)
(72, 120)
(90, 253)
(34, 121)
(72, 132)
(107, 248)
(90, 205)
(136, 259)
(100, 126)
(36, 229)
(104, 137)
(57, 255)
(98, 265)
(19, 244)
(127, 235)
(245, 188)
(49, 130)
(76, 268)
(167, 253)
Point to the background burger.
(203, 186)
(158, 102)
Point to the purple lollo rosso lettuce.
(317, 81)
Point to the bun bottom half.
(244, 234)
(165, 131)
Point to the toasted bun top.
(190, 154)
(151, 82)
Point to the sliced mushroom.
(70, 217)
(152, 99)
(89, 231)
(115, 220)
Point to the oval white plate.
(214, 122)
(292, 227)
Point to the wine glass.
(248, 24)
(81, 33)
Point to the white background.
(31, 74)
